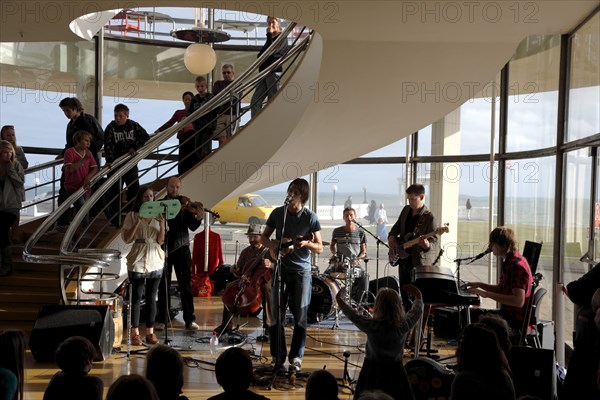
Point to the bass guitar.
(405, 245)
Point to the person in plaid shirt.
(514, 288)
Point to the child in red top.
(80, 166)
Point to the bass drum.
(322, 301)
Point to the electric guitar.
(407, 243)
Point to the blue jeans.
(265, 88)
(296, 291)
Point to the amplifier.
(445, 322)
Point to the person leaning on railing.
(8, 133)
(12, 193)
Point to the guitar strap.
(419, 223)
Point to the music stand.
(152, 209)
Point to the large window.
(529, 211)
(576, 222)
(584, 81)
(533, 94)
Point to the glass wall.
(576, 222)
(529, 211)
(584, 81)
(34, 78)
(532, 101)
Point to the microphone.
(482, 254)
(288, 199)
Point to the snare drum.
(322, 300)
(337, 268)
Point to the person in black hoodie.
(123, 136)
(78, 121)
(197, 144)
(270, 84)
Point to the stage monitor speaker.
(533, 371)
(387, 281)
(55, 323)
(445, 322)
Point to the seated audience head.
(234, 370)
(75, 355)
(164, 368)
(321, 385)
(478, 350)
(499, 326)
(12, 349)
(388, 307)
(596, 307)
(374, 395)
(129, 387)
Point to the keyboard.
(439, 286)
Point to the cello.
(243, 296)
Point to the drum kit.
(342, 272)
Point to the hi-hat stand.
(379, 242)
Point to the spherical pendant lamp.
(199, 59)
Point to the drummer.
(350, 242)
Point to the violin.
(187, 205)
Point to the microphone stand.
(279, 324)
(458, 261)
(378, 241)
(170, 209)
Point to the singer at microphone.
(288, 199)
(482, 254)
(514, 286)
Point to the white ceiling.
(382, 69)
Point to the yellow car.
(246, 209)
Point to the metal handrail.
(100, 258)
(219, 100)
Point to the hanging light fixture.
(200, 58)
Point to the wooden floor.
(325, 348)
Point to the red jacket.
(215, 253)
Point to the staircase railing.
(76, 255)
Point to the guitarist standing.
(303, 227)
(414, 221)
